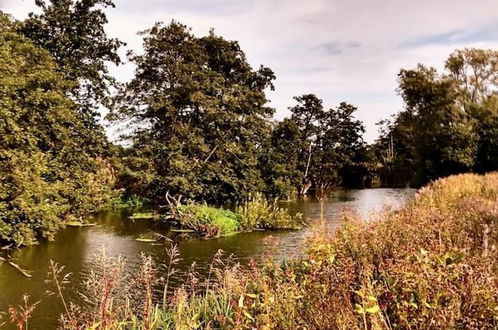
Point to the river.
(75, 248)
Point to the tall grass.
(430, 265)
(120, 201)
(260, 213)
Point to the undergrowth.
(430, 265)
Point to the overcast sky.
(341, 50)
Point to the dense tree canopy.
(72, 31)
(449, 124)
(198, 112)
(48, 175)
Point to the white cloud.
(342, 50)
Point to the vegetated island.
(257, 213)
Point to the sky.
(340, 50)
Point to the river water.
(75, 248)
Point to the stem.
(165, 292)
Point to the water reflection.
(75, 247)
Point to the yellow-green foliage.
(48, 175)
(431, 265)
(258, 212)
(208, 220)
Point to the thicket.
(429, 265)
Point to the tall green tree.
(475, 71)
(444, 133)
(328, 143)
(73, 32)
(199, 115)
(307, 115)
(449, 124)
(395, 151)
(280, 160)
(47, 174)
(342, 148)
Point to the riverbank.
(431, 264)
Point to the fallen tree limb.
(22, 271)
(17, 267)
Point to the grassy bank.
(430, 265)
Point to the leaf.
(373, 309)
(249, 316)
(359, 309)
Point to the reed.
(430, 265)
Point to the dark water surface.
(75, 248)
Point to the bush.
(256, 213)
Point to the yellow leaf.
(373, 310)
(246, 314)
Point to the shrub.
(256, 213)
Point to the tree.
(280, 160)
(476, 73)
(72, 31)
(199, 115)
(339, 144)
(396, 151)
(307, 115)
(328, 143)
(47, 175)
(343, 148)
(450, 122)
(446, 143)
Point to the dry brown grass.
(430, 265)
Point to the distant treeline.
(196, 122)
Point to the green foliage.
(119, 201)
(198, 114)
(255, 213)
(225, 220)
(72, 31)
(280, 160)
(48, 175)
(259, 213)
(322, 145)
(449, 125)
